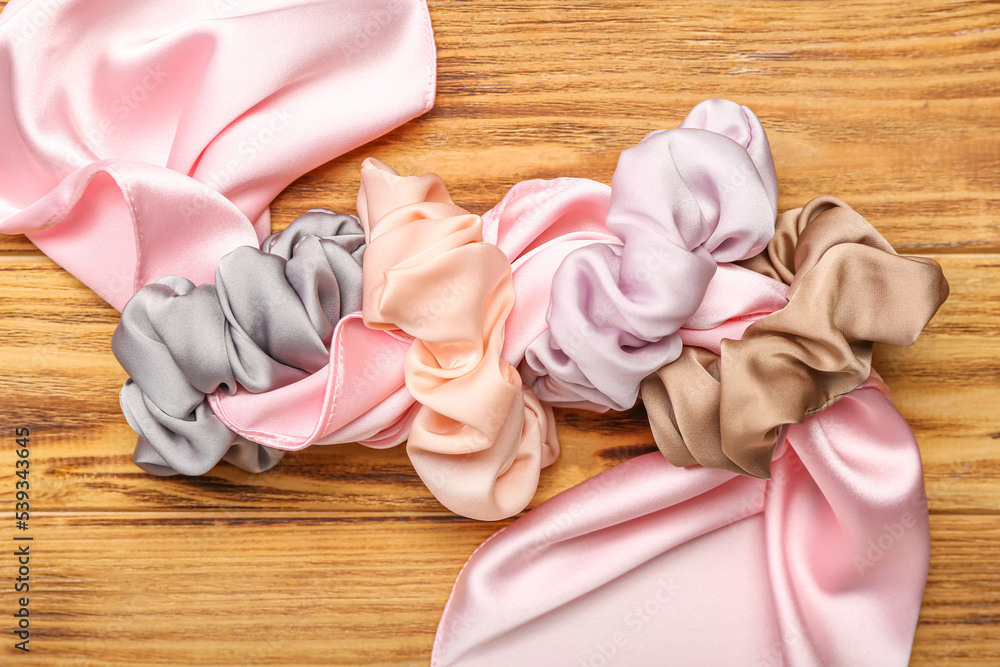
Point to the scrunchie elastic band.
(480, 437)
(848, 289)
(681, 201)
(266, 322)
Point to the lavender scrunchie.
(682, 201)
(266, 322)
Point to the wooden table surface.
(340, 556)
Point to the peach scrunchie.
(480, 437)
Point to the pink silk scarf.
(648, 564)
(145, 138)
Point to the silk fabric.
(266, 322)
(144, 138)
(848, 289)
(538, 225)
(681, 201)
(647, 564)
(479, 438)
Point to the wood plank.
(58, 377)
(959, 624)
(340, 556)
(947, 386)
(893, 107)
(224, 587)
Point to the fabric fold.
(146, 139)
(824, 563)
(266, 322)
(480, 438)
(682, 201)
(847, 290)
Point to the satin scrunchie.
(363, 397)
(479, 438)
(266, 322)
(681, 201)
(848, 289)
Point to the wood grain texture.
(893, 106)
(340, 556)
(324, 588)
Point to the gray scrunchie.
(266, 322)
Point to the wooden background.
(340, 556)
